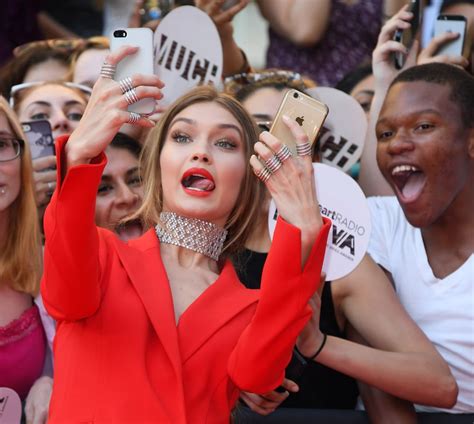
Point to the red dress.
(120, 357)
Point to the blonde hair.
(244, 215)
(20, 253)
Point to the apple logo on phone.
(300, 120)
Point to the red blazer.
(120, 357)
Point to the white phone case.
(139, 63)
(455, 47)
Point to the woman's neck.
(259, 240)
(187, 258)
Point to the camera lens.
(120, 33)
(295, 95)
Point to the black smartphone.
(407, 36)
(294, 369)
(40, 138)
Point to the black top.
(320, 386)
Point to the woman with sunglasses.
(22, 339)
(362, 303)
(160, 329)
(62, 104)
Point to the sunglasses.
(68, 46)
(23, 86)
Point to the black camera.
(120, 33)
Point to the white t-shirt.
(442, 308)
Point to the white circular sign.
(188, 52)
(343, 202)
(343, 134)
(10, 406)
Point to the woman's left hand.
(37, 401)
(291, 185)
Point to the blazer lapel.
(217, 305)
(142, 261)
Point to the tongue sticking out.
(413, 185)
(199, 183)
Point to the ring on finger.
(50, 185)
(263, 175)
(126, 85)
(107, 70)
(283, 154)
(303, 149)
(273, 164)
(133, 118)
(131, 96)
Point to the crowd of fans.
(394, 338)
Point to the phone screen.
(40, 138)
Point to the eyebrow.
(418, 112)
(43, 103)
(262, 116)
(194, 123)
(371, 92)
(131, 171)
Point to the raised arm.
(292, 270)
(370, 178)
(71, 283)
(303, 22)
(400, 360)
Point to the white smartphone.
(452, 23)
(139, 63)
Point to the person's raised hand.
(430, 53)
(44, 175)
(106, 111)
(383, 65)
(215, 11)
(290, 181)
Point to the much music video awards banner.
(188, 52)
(343, 134)
(10, 406)
(343, 202)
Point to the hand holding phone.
(452, 24)
(139, 63)
(40, 138)
(308, 113)
(407, 36)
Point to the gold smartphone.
(309, 114)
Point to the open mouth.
(198, 180)
(129, 230)
(409, 181)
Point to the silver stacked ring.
(131, 96)
(273, 164)
(303, 149)
(283, 154)
(263, 175)
(126, 85)
(133, 118)
(107, 70)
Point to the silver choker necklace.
(193, 234)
